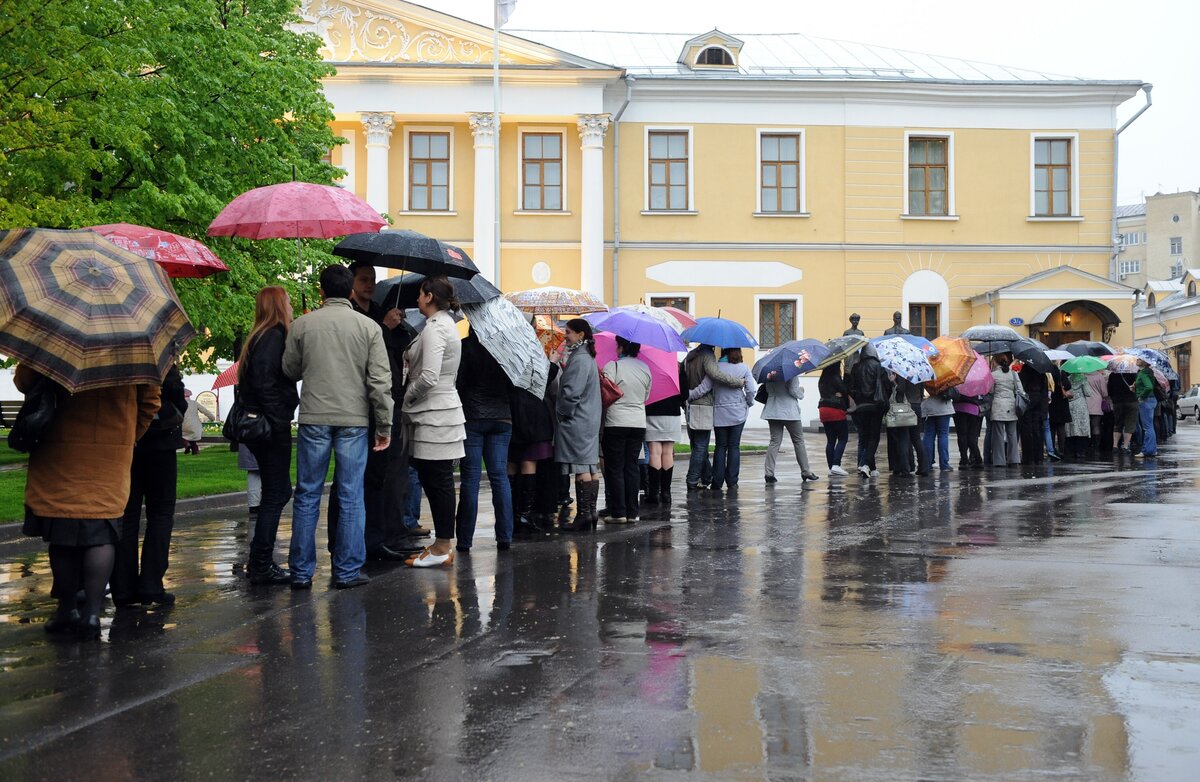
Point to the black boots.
(525, 521)
(664, 485)
(586, 494)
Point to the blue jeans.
(1146, 410)
(939, 427)
(727, 458)
(487, 443)
(699, 470)
(1049, 438)
(348, 444)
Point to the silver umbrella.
(506, 334)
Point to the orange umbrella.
(951, 364)
(549, 334)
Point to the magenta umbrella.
(979, 378)
(296, 210)
(663, 365)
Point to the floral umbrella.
(1123, 364)
(952, 363)
(841, 348)
(905, 359)
(1155, 359)
(556, 301)
(549, 334)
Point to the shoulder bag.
(900, 414)
(36, 414)
(244, 427)
(610, 392)
(761, 395)
(1021, 395)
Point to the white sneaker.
(836, 470)
(874, 473)
(865, 471)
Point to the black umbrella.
(402, 291)
(991, 332)
(1029, 352)
(408, 251)
(993, 348)
(1083, 347)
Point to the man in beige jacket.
(341, 359)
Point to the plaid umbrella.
(408, 251)
(841, 348)
(179, 255)
(905, 359)
(556, 301)
(86, 313)
(952, 363)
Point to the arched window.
(714, 55)
(1151, 301)
(1192, 289)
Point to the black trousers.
(375, 498)
(622, 448)
(1033, 436)
(390, 527)
(275, 468)
(437, 480)
(967, 427)
(152, 482)
(869, 423)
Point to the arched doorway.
(1074, 320)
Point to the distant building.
(782, 180)
(1158, 239)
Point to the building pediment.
(1066, 281)
(394, 32)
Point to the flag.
(504, 9)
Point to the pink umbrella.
(663, 365)
(227, 378)
(979, 379)
(178, 255)
(685, 320)
(296, 210)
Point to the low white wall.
(196, 383)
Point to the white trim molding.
(926, 286)
(408, 131)
(691, 165)
(1075, 216)
(802, 173)
(796, 298)
(522, 130)
(951, 210)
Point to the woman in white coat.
(1002, 420)
(433, 414)
(782, 412)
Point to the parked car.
(1189, 404)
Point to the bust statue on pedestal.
(854, 329)
(896, 327)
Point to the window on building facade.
(780, 172)
(776, 322)
(1052, 177)
(923, 320)
(678, 302)
(541, 171)
(1176, 245)
(668, 170)
(429, 172)
(714, 55)
(1176, 270)
(1191, 294)
(928, 176)
(1151, 300)
(1129, 267)
(1134, 237)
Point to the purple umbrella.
(640, 328)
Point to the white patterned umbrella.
(506, 334)
(905, 359)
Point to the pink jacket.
(1098, 382)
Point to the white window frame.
(408, 131)
(691, 191)
(522, 131)
(1075, 216)
(689, 295)
(1129, 267)
(802, 184)
(1172, 244)
(695, 63)
(793, 297)
(951, 208)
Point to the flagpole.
(496, 153)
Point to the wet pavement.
(1040, 623)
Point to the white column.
(484, 129)
(591, 248)
(350, 180)
(379, 133)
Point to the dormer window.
(1191, 294)
(715, 55)
(1151, 300)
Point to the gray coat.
(783, 400)
(1004, 395)
(577, 440)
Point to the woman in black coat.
(264, 389)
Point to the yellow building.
(780, 180)
(1168, 318)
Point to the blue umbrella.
(1156, 359)
(640, 328)
(790, 359)
(928, 348)
(721, 333)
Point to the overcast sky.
(1156, 41)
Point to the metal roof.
(780, 56)
(1131, 210)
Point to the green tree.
(159, 113)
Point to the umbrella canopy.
(721, 333)
(548, 333)
(179, 255)
(952, 363)
(991, 332)
(86, 313)
(295, 210)
(408, 251)
(552, 300)
(685, 320)
(1083, 365)
(401, 291)
(227, 378)
(663, 365)
(506, 334)
(979, 379)
(1124, 364)
(641, 328)
(841, 348)
(790, 359)
(1156, 359)
(1083, 347)
(1030, 354)
(904, 358)
(1058, 355)
(658, 313)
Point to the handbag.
(761, 395)
(245, 427)
(36, 414)
(900, 414)
(609, 391)
(1022, 397)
